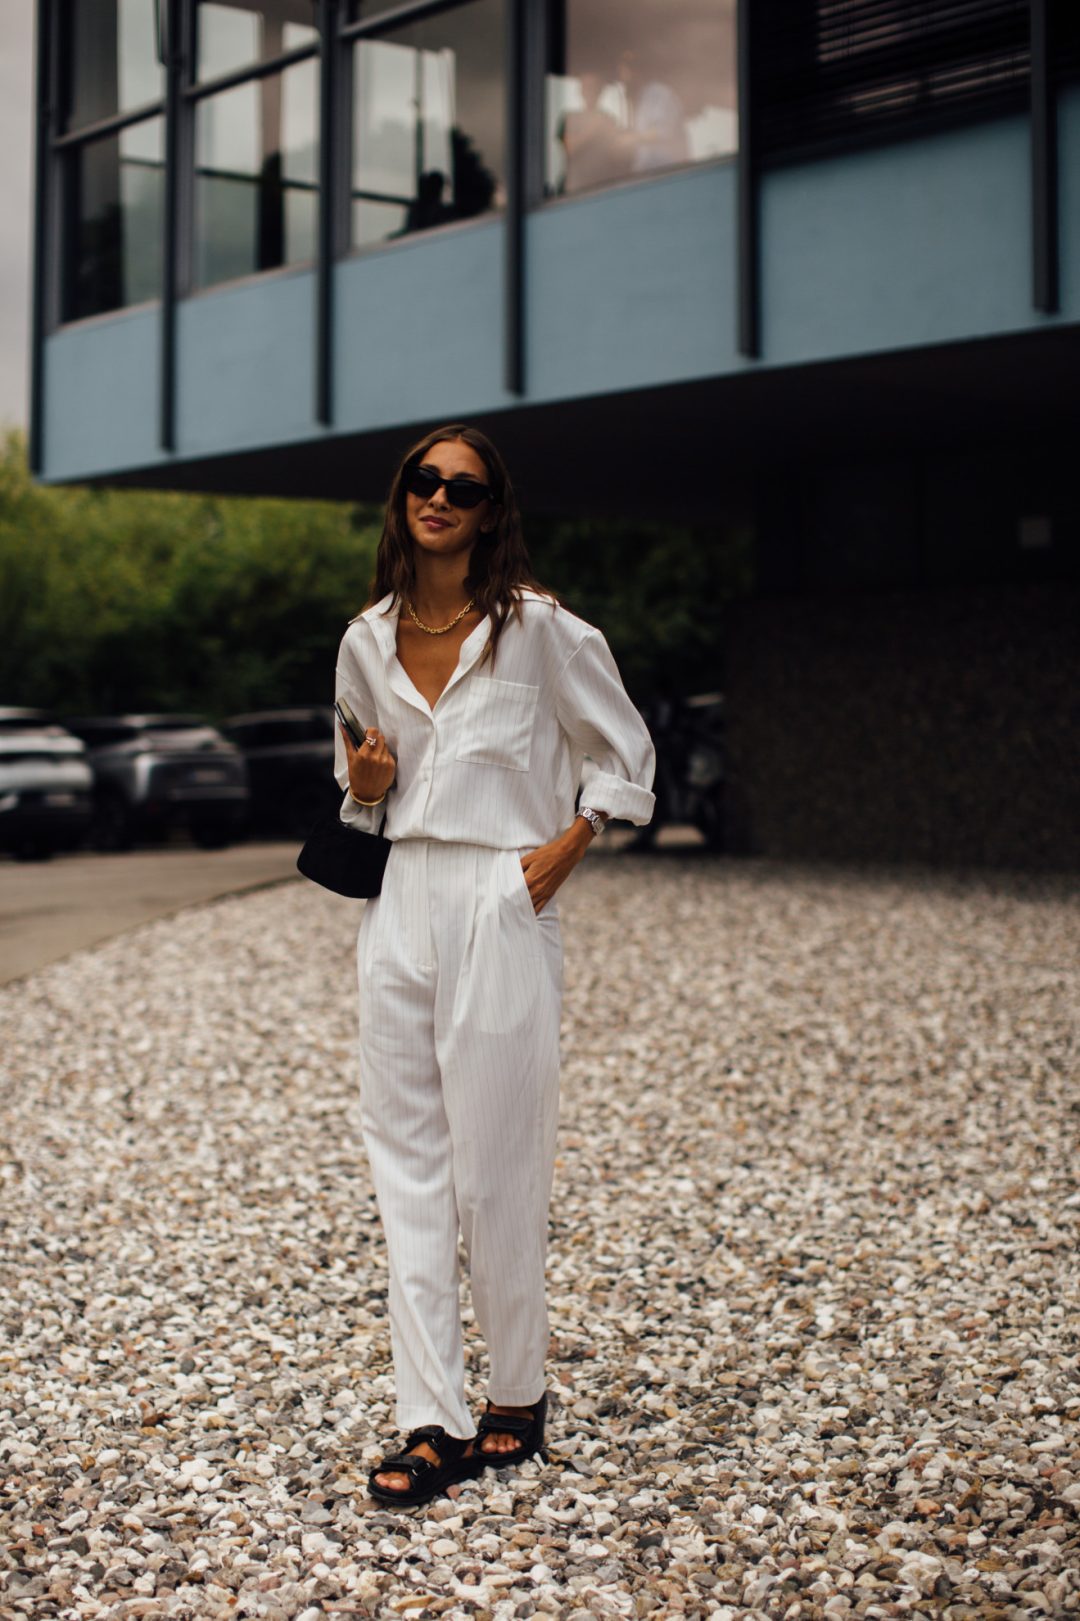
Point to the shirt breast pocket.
(497, 725)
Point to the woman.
(597, 150)
(486, 706)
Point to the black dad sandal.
(428, 1479)
(531, 1431)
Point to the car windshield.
(158, 735)
(179, 735)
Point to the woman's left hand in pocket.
(549, 865)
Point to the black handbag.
(343, 858)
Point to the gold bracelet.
(367, 802)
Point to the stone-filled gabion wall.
(935, 726)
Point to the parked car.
(46, 785)
(290, 760)
(156, 772)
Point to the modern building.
(810, 264)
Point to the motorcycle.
(691, 767)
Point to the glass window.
(428, 123)
(110, 59)
(637, 85)
(114, 199)
(234, 34)
(256, 176)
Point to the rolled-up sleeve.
(349, 683)
(602, 724)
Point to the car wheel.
(33, 850)
(112, 828)
(710, 820)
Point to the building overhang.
(693, 449)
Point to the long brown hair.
(499, 566)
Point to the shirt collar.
(377, 610)
(383, 620)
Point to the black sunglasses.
(460, 492)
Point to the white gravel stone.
(812, 1266)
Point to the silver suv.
(155, 772)
(46, 785)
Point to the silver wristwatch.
(594, 819)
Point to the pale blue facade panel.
(418, 330)
(632, 287)
(101, 395)
(244, 375)
(923, 242)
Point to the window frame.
(523, 159)
(193, 95)
(67, 191)
(60, 151)
(541, 196)
(348, 35)
(178, 113)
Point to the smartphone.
(350, 722)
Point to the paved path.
(50, 909)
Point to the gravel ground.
(813, 1267)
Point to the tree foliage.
(657, 591)
(129, 599)
(119, 599)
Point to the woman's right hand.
(371, 767)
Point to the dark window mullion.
(533, 133)
(412, 12)
(244, 176)
(748, 267)
(174, 57)
(342, 150)
(44, 216)
(112, 125)
(324, 261)
(1044, 191)
(514, 217)
(55, 237)
(362, 196)
(250, 72)
(185, 153)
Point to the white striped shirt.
(501, 757)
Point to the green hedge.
(118, 599)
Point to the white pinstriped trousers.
(460, 1000)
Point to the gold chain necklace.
(437, 630)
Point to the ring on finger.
(372, 741)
